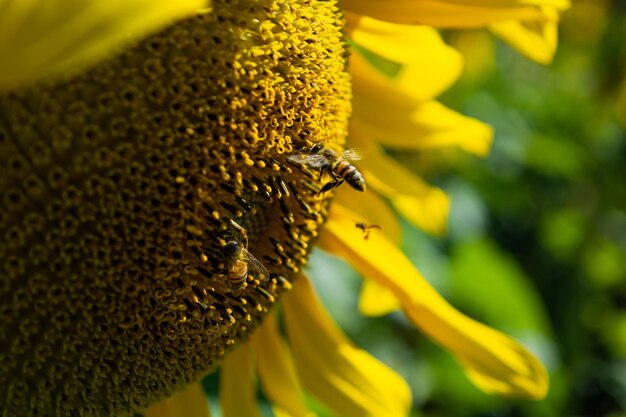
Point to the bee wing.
(314, 160)
(255, 267)
(352, 154)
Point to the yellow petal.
(536, 40)
(425, 206)
(276, 370)
(432, 65)
(453, 13)
(392, 111)
(478, 50)
(428, 125)
(493, 361)
(237, 389)
(279, 412)
(372, 208)
(346, 379)
(40, 38)
(431, 68)
(376, 300)
(189, 402)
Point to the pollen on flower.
(121, 186)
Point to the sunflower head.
(137, 192)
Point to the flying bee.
(338, 167)
(240, 262)
(367, 228)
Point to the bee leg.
(338, 180)
(322, 169)
(326, 187)
(331, 185)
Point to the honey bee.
(367, 228)
(240, 262)
(338, 167)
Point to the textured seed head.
(120, 188)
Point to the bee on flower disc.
(338, 167)
(240, 262)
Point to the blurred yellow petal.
(453, 13)
(428, 125)
(40, 38)
(429, 69)
(393, 112)
(493, 361)
(237, 388)
(191, 401)
(536, 40)
(425, 206)
(376, 300)
(372, 208)
(276, 370)
(434, 65)
(478, 50)
(346, 379)
(279, 412)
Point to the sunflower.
(142, 139)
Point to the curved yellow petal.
(372, 208)
(346, 379)
(453, 13)
(433, 65)
(425, 206)
(431, 68)
(279, 412)
(428, 125)
(392, 111)
(192, 401)
(478, 50)
(493, 361)
(276, 370)
(536, 40)
(237, 389)
(376, 300)
(41, 38)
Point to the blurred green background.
(537, 234)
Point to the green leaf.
(491, 285)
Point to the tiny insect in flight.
(240, 262)
(367, 228)
(338, 167)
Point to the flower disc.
(121, 186)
